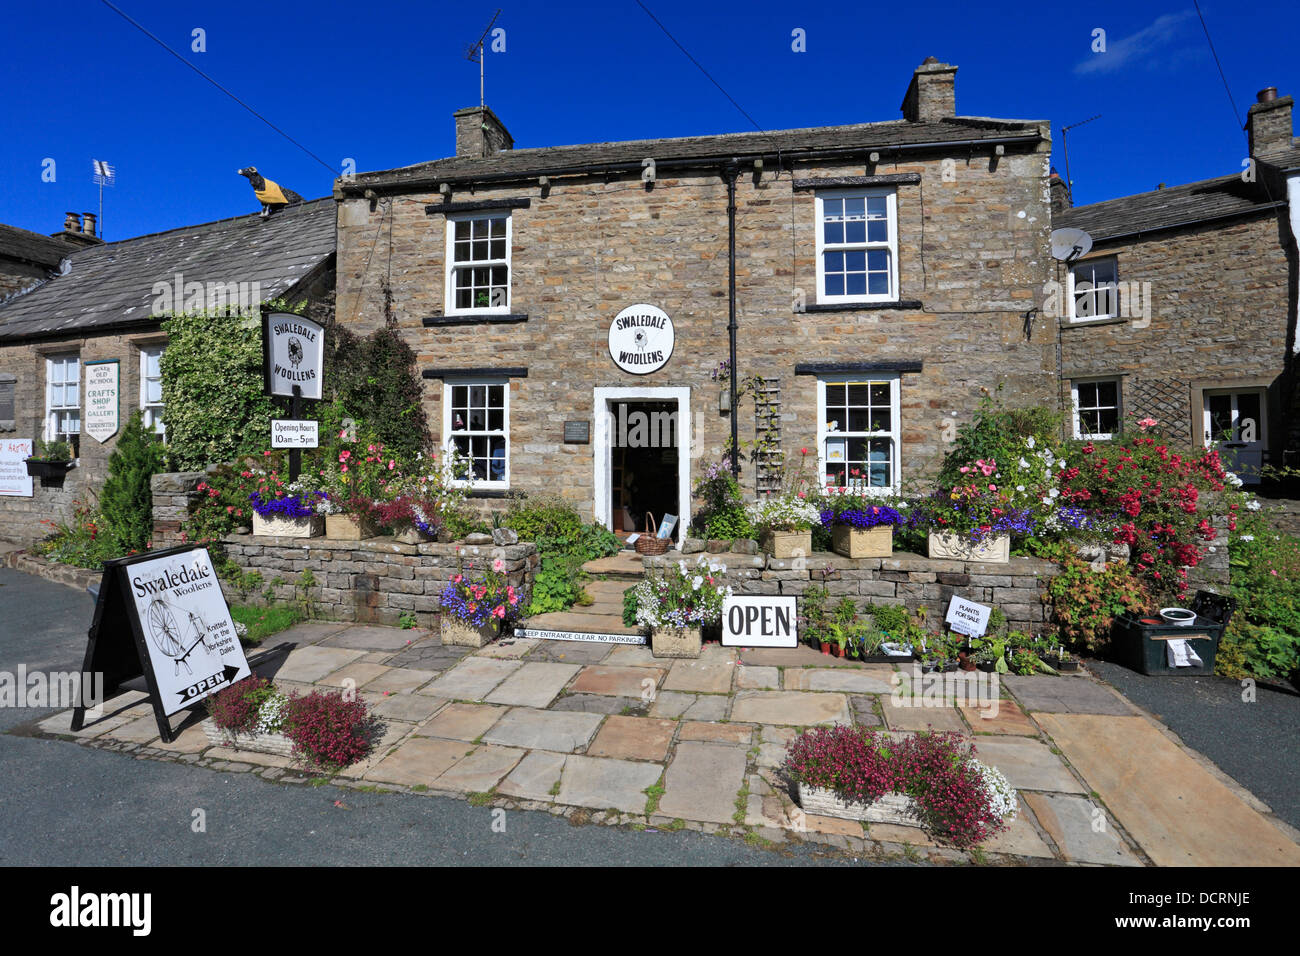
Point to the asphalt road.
(1252, 742)
(64, 804)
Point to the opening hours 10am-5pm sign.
(162, 615)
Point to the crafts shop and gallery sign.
(161, 616)
(641, 339)
(294, 355)
(102, 390)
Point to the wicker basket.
(649, 543)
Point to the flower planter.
(825, 648)
(877, 542)
(1065, 667)
(994, 550)
(348, 528)
(413, 536)
(896, 808)
(457, 632)
(280, 526)
(277, 744)
(47, 469)
(786, 544)
(675, 642)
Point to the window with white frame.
(858, 431)
(151, 398)
(1094, 290)
(1097, 408)
(857, 246)
(62, 397)
(478, 262)
(476, 423)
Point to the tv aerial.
(1068, 245)
(1065, 146)
(474, 53)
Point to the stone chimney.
(1268, 124)
(1059, 193)
(932, 94)
(74, 233)
(480, 133)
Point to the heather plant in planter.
(328, 730)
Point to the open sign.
(752, 621)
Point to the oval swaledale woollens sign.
(641, 339)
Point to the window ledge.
(481, 370)
(830, 368)
(1086, 323)
(482, 205)
(863, 306)
(888, 179)
(472, 318)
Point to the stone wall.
(902, 578)
(373, 581)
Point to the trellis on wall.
(1165, 400)
(768, 454)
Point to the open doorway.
(642, 458)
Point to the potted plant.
(675, 602)
(859, 528)
(784, 523)
(356, 479)
(475, 612)
(288, 510)
(49, 459)
(974, 518)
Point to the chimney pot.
(71, 222)
(931, 95)
(90, 220)
(1267, 95)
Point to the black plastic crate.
(1140, 643)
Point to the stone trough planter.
(895, 808)
(277, 744)
(995, 550)
(786, 544)
(281, 527)
(877, 542)
(457, 632)
(348, 528)
(675, 642)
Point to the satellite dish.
(1069, 244)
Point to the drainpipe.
(729, 173)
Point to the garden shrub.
(127, 498)
(375, 379)
(564, 544)
(721, 515)
(81, 541)
(1085, 601)
(996, 432)
(213, 387)
(1263, 638)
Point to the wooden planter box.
(277, 744)
(457, 632)
(675, 642)
(995, 550)
(787, 544)
(877, 542)
(348, 528)
(893, 808)
(278, 526)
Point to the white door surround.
(601, 446)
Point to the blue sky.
(377, 82)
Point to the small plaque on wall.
(577, 433)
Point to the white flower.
(1253, 506)
(1054, 493)
(1022, 463)
(1247, 537)
(1001, 795)
(1020, 487)
(1030, 441)
(696, 582)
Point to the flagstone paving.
(636, 738)
(584, 724)
(533, 685)
(544, 730)
(602, 783)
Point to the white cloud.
(1141, 48)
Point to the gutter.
(357, 187)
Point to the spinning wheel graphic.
(170, 637)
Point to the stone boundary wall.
(34, 564)
(373, 581)
(903, 578)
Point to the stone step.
(625, 566)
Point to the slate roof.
(790, 142)
(28, 246)
(1193, 203)
(111, 285)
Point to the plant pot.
(413, 535)
(994, 550)
(348, 528)
(988, 667)
(965, 661)
(895, 808)
(47, 469)
(277, 744)
(675, 642)
(457, 632)
(1065, 667)
(826, 648)
(877, 542)
(786, 544)
(839, 651)
(280, 526)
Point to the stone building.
(570, 305)
(100, 316)
(1185, 308)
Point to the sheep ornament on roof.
(272, 195)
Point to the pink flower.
(500, 611)
(498, 565)
(391, 463)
